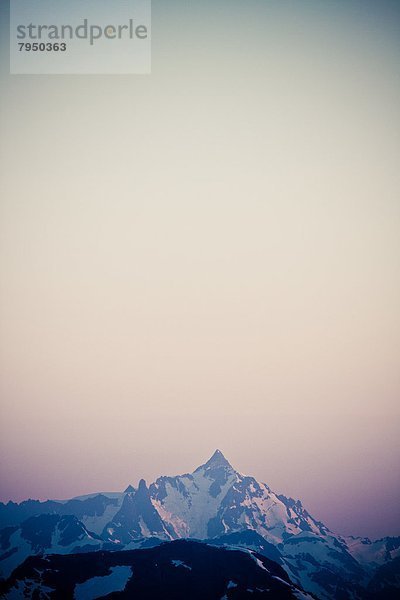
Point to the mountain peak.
(217, 454)
(142, 486)
(217, 460)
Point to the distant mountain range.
(214, 504)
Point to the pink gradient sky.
(209, 257)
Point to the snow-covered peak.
(217, 460)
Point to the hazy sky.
(209, 257)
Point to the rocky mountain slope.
(180, 570)
(214, 503)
